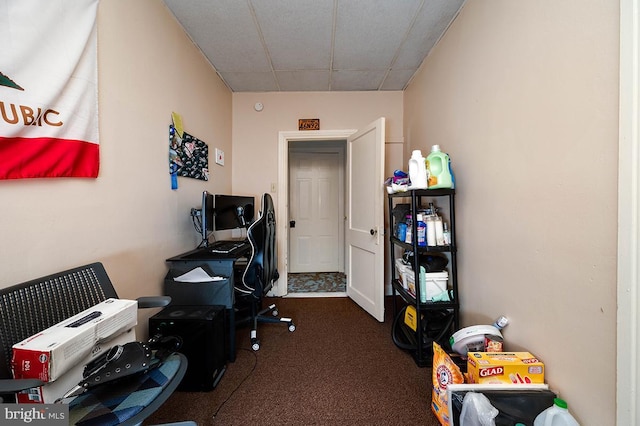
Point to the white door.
(316, 212)
(365, 218)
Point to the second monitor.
(232, 211)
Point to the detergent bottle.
(438, 167)
(556, 415)
(417, 170)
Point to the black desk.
(208, 293)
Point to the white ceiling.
(315, 45)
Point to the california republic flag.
(48, 89)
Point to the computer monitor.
(233, 211)
(203, 217)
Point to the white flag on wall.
(48, 89)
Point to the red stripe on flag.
(47, 157)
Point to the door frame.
(628, 271)
(282, 203)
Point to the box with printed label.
(52, 352)
(504, 367)
(50, 392)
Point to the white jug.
(417, 171)
(556, 415)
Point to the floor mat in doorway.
(317, 282)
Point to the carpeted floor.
(314, 282)
(340, 367)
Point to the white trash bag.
(477, 411)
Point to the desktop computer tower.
(202, 331)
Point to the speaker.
(202, 331)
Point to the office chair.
(261, 272)
(32, 306)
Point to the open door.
(365, 218)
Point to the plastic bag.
(477, 411)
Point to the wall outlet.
(219, 157)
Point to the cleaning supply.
(421, 228)
(417, 170)
(438, 167)
(556, 415)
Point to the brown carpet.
(340, 367)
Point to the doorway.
(316, 218)
(364, 208)
(280, 288)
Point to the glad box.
(504, 367)
(52, 352)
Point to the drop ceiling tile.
(297, 38)
(225, 32)
(303, 81)
(356, 80)
(369, 32)
(433, 19)
(250, 81)
(370, 38)
(397, 79)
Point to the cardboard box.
(449, 381)
(504, 367)
(52, 352)
(51, 391)
(445, 372)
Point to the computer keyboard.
(226, 246)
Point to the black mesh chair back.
(55, 298)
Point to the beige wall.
(524, 97)
(255, 134)
(128, 218)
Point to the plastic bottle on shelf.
(421, 229)
(556, 415)
(439, 230)
(409, 232)
(439, 169)
(431, 230)
(417, 170)
(446, 234)
(401, 231)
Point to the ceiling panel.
(369, 33)
(318, 45)
(295, 38)
(303, 81)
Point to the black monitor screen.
(233, 211)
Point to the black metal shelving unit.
(434, 320)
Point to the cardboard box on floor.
(52, 352)
(446, 374)
(52, 391)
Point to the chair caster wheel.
(275, 312)
(292, 327)
(255, 345)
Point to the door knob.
(372, 232)
(292, 224)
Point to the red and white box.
(54, 351)
(50, 392)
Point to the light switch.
(219, 157)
